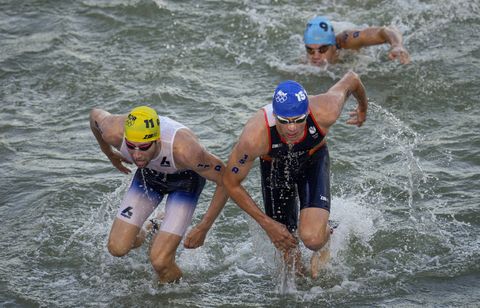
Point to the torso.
(313, 139)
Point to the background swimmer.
(323, 46)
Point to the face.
(320, 54)
(141, 152)
(291, 129)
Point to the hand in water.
(195, 238)
(399, 53)
(281, 238)
(357, 117)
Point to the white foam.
(354, 219)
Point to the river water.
(405, 186)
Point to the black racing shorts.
(186, 181)
(281, 186)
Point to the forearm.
(358, 91)
(105, 147)
(217, 204)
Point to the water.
(405, 185)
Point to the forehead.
(316, 46)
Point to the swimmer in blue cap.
(322, 45)
(289, 137)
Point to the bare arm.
(356, 39)
(252, 144)
(192, 155)
(328, 107)
(108, 131)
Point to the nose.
(318, 55)
(136, 154)
(292, 127)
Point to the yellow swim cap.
(142, 125)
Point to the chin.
(292, 139)
(141, 164)
(322, 64)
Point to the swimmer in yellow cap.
(171, 161)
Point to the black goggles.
(321, 49)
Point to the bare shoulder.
(254, 137)
(109, 125)
(187, 147)
(185, 137)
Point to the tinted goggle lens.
(296, 120)
(142, 147)
(321, 49)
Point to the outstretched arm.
(356, 39)
(192, 155)
(105, 127)
(328, 107)
(250, 146)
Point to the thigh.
(314, 185)
(179, 209)
(139, 202)
(279, 197)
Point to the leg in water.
(321, 257)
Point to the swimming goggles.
(296, 120)
(321, 49)
(142, 147)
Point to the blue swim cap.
(319, 30)
(290, 99)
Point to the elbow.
(92, 118)
(94, 111)
(355, 82)
(352, 74)
(225, 183)
(351, 78)
(228, 184)
(94, 114)
(390, 28)
(219, 173)
(391, 35)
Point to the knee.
(118, 249)
(314, 241)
